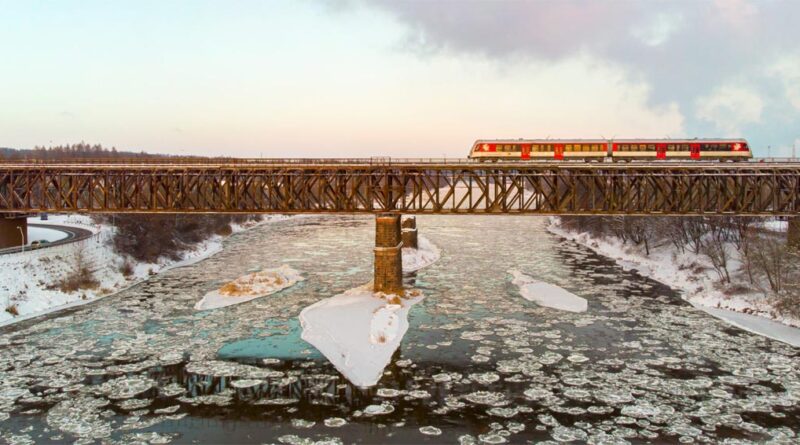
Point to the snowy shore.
(359, 330)
(699, 285)
(28, 280)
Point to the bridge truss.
(413, 188)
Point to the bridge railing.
(373, 161)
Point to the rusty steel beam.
(426, 188)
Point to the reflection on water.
(479, 364)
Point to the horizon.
(402, 79)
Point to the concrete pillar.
(409, 225)
(10, 234)
(388, 276)
(793, 233)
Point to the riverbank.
(31, 282)
(694, 276)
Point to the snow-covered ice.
(358, 331)
(546, 294)
(757, 325)
(249, 287)
(425, 255)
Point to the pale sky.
(308, 78)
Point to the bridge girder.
(543, 189)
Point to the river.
(479, 364)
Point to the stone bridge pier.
(793, 232)
(388, 274)
(13, 230)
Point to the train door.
(695, 151)
(661, 151)
(526, 151)
(558, 151)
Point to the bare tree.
(716, 249)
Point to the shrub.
(12, 309)
(126, 269)
(81, 276)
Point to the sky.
(340, 78)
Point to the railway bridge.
(391, 187)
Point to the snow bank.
(358, 331)
(425, 255)
(688, 272)
(546, 294)
(249, 287)
(28, 280)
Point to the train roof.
(693, 140)
(538, 141)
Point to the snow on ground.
(358, 331)
(425, 255)
(44, 234)
(546, 294)
(249, 287)
(688, 272)
(29, 280)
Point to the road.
(73, 234)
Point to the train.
(615, 149)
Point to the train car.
(709, 149)
(539, 149)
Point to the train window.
(671, 147)
(685, 147)
(651, 147)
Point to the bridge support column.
(793, 233)
(13, 231)
(409, 225)
(388, 275)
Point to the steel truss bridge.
(379, 185)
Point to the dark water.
(479, 363)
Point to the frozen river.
(479, 364)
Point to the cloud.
(684, 50)
(729, 107)
(787, 70)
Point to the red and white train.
(615, 149)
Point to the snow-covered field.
(359, 330)
(29, 280)
(546, 294)
(250, 287)
(691, 273)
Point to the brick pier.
(409, 234)
(10, 235)
(793, 232)
(388, 275)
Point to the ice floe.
(358, 331)
(250, 287)
(546, 294)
